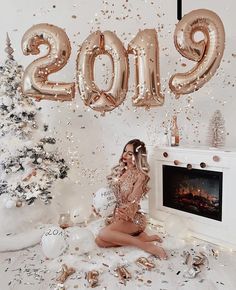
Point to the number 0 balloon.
(102, 43)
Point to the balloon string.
(179, 9)
(102, 42)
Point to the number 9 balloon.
(35, 81)
(207, 52)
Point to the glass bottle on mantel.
(166, 138)
(174, 132)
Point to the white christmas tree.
(216, 131)
(27, 170)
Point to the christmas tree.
(216, 132)
(27, 169)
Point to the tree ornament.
(9, 50)
(10, 75)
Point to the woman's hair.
(140, 160)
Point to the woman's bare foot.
(146, 238)
(156, 251)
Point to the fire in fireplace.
(195, 191)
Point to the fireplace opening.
(195, 191)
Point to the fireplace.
(198, 185)
(195, 191)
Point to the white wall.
(92, 141)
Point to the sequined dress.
(129, 189)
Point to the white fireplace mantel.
(219, 232)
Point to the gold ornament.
(19, 203)
(9, 50)
(32, 173)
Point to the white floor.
(28, 269)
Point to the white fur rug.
(15, 242)
(23, 227)
(36, 272)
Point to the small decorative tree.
(216, 131)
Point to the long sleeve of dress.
(132, 204)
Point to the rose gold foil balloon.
(207, 52)
(35, 80)
(147, 85)
(102, 43)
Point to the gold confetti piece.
(215, 253)
(65, 273)
(192, 272)
(123, 274)
(92, 278)
(198, 261)
(187, 258)
(105, 265)
(144, 262)
(95, 212)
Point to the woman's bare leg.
(101, 243)
(119, 233)
(149, 238)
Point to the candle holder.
(64, 220)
